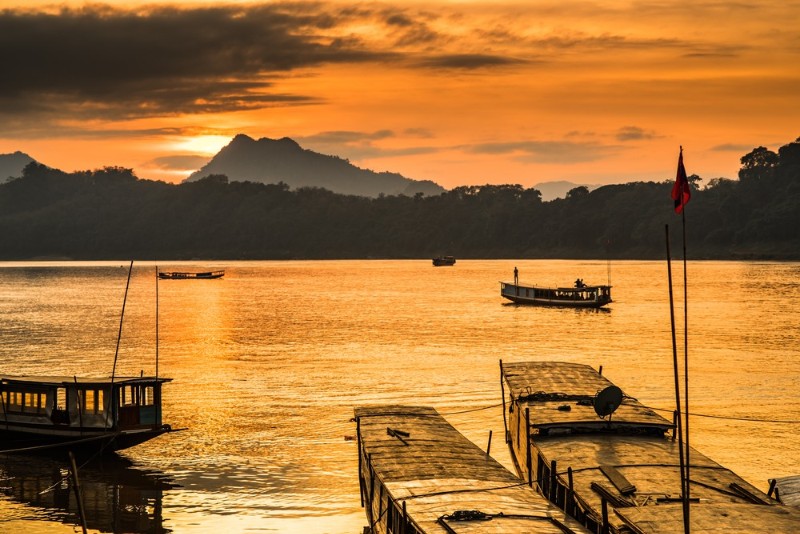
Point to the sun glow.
(202, 144)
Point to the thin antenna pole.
(121, 316)
(156, 321)
(686, 360)
(684, 482)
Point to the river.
(268, 362)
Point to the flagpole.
(679, 418)
(686, 361)
(681, 193)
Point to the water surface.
(269, 362)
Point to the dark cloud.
(100, 62)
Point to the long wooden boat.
(620, 473)
(181, 275)
(573, 297)
(51, 414)
(444, 261)
(418, 474)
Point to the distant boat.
(580, 296)
(443, 261)
(176, 275)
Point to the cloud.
(732, 147)
(361, 145)
(560, 152)
(634, 133)
(107, 63)
(468, 61)
(179, 162)
(347, 137)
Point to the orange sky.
(468, 92)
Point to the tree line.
(111, 214)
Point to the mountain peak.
(11, 165)
(271, 161)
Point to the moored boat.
(444, 261)
(583, 296)
(182, 275)
(49, 414)
(619, 472)
(84, 415)
(418, 474)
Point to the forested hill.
(110, 214)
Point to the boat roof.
(431, 468)
(787, 489)
(84, 381)
(587, 287)
(561, 395)
(722, 517)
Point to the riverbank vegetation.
(111, 214)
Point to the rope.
(473, 409)
(730, 418)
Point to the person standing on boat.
(516, 276)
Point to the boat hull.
(191, 276)
(17, 441)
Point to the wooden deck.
(419, 474)
(622, 473)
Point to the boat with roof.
(418, 474)
(609, 461)
(444, 261)
(83, 414)
(579, 295)
(184, 275)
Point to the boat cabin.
(125, 403)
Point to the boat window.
(93, 401)
(128, 395)
(148, 398)
(13, 400)
(61, 398)
(24, 401)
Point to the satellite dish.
(607, 401)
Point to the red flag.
(680, 191)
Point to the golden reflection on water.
(269, 362)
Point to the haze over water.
(269, 362)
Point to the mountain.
(553, 190)
(11, 165)
(271, 161)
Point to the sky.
(458, 92)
